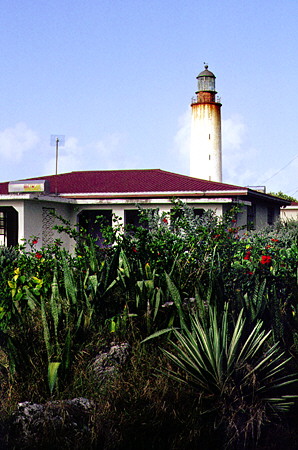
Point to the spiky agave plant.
(240, 372)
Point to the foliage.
(233, 294)
(7, 256)
(235, 369)
(280, 194)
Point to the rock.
(107, 362)
(64, 424)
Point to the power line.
(296, 190)
(276, 173)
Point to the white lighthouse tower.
(205, 146)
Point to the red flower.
(165, 220)
(34, 241)
(268, 246)
(274, 240)
(216, 236)
(234, 220)
(249, 273)
(134, 250)
(247, 255)
(265, 259)
(38, 255)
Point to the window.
(93, 221)
(198, 212)
(270, 215)
(132, 219)
(251, 217)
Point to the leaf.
(157, 296)
(92, 256)
(30, 299)
(46, 332)
(53, 374)
(69, 282)
(157, 334)
(54, 306)
(177, 299)
(148, 272)
(124, 264)
(93, 283)
(67, 350)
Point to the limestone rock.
(65, 422)
(107, 362)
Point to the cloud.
(16, 141)
(233, 132)
(237, 154)
(106, 147)
(111, 153)
(182, 137)
(181, 147)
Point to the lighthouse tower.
(205, 146)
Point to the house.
(289, 212)
(26, 206)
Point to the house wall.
(262, 214)
(241, 216)
(38, 222)
(34, 220)
(289, 213)
(119, 209)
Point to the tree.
(284, 196)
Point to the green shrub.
(237, 372)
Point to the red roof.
(127, 181)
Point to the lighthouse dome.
(206, 73)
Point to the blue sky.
(116, 78)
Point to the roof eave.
(220, 193)
(268, 197)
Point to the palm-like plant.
(240, 372)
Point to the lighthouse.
(205, 142)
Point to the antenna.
(57, 139)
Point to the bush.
(176, 277)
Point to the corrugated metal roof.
(127, 181)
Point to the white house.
(289, 212)
(26, 206)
